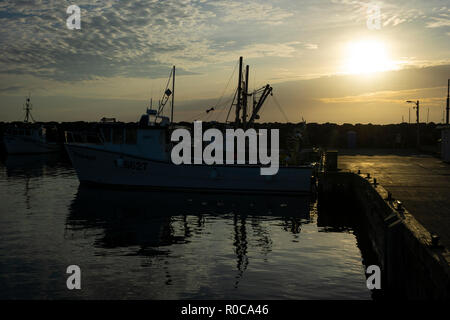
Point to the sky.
(327, 60)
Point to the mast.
(173, 93)
(245, 104)
(28, 108)
(239, 94)
(242, 99)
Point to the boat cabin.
(147, 138)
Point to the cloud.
(144, 38)
(251, 11)
(391, 14)
(443, 20)
(11, 89)
(311, 46)
(126, 38)
(389, 96)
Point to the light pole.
(417, 119)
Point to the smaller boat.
(30, 137)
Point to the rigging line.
(226, 87)
(223, 93)
(196, 117)
(231, 106)
(281, 109)
(226, 103)
(230, 99)
(207, 116)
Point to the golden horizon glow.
(367, 56)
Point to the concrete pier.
(421, 182)
(414, 265)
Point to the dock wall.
(413, 265)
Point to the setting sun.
(367, 57)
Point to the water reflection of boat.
(103, 203)
(25, 168)
(153, 221)
(31, 165)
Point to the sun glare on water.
(367, 57)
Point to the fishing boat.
(28, 137)
(138, 155)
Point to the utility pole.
(417, 119)
(418, 123)
(417, 111)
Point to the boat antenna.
(151, 104)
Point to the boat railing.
(82, 137)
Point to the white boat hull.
(110, 168)
(23, 145)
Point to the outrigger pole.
(266, 91)
(168, 94)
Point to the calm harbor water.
(161, 245)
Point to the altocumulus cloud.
(119, 38)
